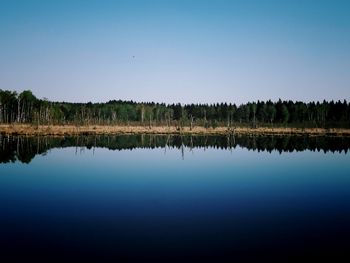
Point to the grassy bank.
(59, 130)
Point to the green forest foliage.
(26, 108)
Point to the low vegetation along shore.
(62, 130)
(24, 114)
(26, 108)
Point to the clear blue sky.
(176, 51)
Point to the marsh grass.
(43, 130)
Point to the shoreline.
(71, 130)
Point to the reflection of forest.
(24, 149)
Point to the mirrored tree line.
(24, 149)
(25, 107)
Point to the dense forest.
(25, 107)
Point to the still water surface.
(169, 201)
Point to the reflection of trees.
(24, 149)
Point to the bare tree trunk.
(191, 122)
(254, 121)
(23, 112)
(142, 114)
(47, 115)
(169, 122)
(98, 117)
(18, 109)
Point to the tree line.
(25, 107)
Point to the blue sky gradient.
(176, 51)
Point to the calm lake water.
(171, 198)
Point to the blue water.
(150, 205)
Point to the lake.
(148, 198)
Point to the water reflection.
(142, 206)
(24, 149)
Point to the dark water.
(174, 199)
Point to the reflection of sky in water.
(141, 175)
(209, 193)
